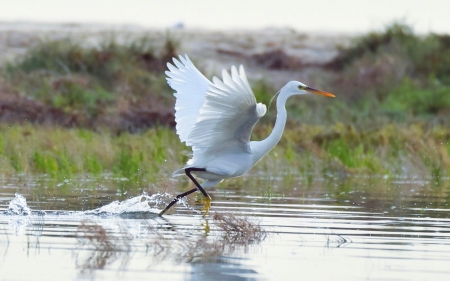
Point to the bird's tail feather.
(179, 172)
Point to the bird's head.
(298, 88)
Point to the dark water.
(353, 228)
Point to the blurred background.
(348, 16)
(99, 66)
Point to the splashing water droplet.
(142, 204)
(139, 204)
(18, 206)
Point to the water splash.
(142, 204)
(27, 220)
(18, 206)
(139, 204)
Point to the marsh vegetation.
(73, 106)
(80, 107)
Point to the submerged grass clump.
(222, 235)
(238, 229)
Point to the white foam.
(18, 206)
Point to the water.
(351, 228)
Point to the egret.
(216, 120)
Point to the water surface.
(349, 228)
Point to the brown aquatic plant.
(224, 234)
(239, 229)
(227, 234)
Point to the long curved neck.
(267, 144)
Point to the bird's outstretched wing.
(227, 115)
(191, 87)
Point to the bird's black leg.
(198, 186)
(176, 199)
(188, 173)
(207, 201)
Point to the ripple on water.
(314, 233)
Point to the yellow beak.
(319, 92)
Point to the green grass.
(426, 55)
(110, 62)
(394, 75)
(306, 151)
(433, 99)
(390, 117)
(60, 152)
(391, 75)
(94, 80)
(157, 152)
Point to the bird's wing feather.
(228, 114)
(191, 87)
(210, 116)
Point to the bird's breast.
(230, 165)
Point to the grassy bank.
(60, 152)
(307, 150)
(117, 82)
(106, 108)
(388, 76)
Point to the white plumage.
(213, 117)
(216, 119)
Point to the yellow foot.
(207, 205)
(206, 225)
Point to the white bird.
(216, 119)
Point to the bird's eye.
(301, 87)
